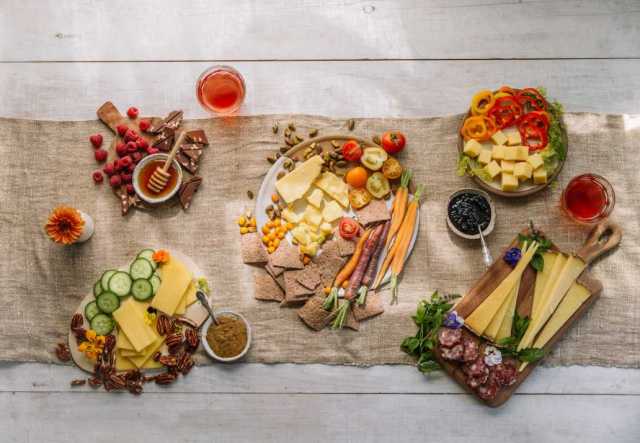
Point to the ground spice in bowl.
(229, 337)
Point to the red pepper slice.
(534, 130)
(505, 111)
(531, 97)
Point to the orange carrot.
(404, 238)
(399, 206)
(385, 264)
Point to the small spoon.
(486, 254)
(161, 176)
(202, 297)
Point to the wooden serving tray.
(604, 237)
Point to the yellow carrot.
(399, 206)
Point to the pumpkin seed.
(313, 132)
(351, 124)
(274, 128)
(335, 144)
(281, 174)
(271, 159)
(341, 163)
(376, 139)
(287, 132)
(284, 149)
(289, 142)
(288, 164)
(278, 155)
(250, 194)
(291, 126)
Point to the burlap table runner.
(50, 163)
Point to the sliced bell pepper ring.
(508, 90)
(534, 138)
(482, 102)
(537, 119)
(531, 97)
(478, 127)
(505, 111)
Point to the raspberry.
(130, 136)
(96, 140)
(144, 125)
(109, 169)
(130, 189)
(97, 176)
(100, 155)
(131, 168)
(125, 162)
(132, 112)
(142, 143)
(152, 150)
(126, 178)
(132, 147)
(115, 181)
(136, 156)
(121, 149)
(122, 130)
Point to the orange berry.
(275, 198)
(289, 226)
(265, 229)
(357, 177)
(326, 290)
(265, 240)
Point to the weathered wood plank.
(63, 91)
(272, 29)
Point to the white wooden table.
(59, 59)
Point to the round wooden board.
(268, 187)
(523, 191)
(195, 312)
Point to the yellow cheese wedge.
(570, 272)
(479, 319)
(296, 183)
(175, 279)
(552, 276)
(507, 322)
(549, 258)
(332, 211)
(472, 148)
(315, 197)
(131, 321)
(182, 305)
(334, 187)
(187, 299)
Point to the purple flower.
(512, 256)
(453, 320)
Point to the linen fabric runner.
(46, 164)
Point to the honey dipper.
(161, 176)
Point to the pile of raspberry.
(130, 151)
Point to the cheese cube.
(315, 197)
(510, 153)
(540, 176)
(312, 215)
(509, 182)
(522, 153)
(332, 211)
(513, 138)
(522, 170)
(507, 166)
(301, 235)
(493, 169)
(291, 216)
(472, 148)
(326, 228)
(485, 157)
(499, 138)
(310, 249)
(334, 187)
(497, 152)
(535, 161)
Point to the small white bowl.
(492, 222)
(205, 343)
(136, 178)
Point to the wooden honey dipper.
(161, 176)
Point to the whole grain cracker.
(309, 277)
(345, 247)
(266, 288)
(294, 292)
(314, 315)
(287, 256)
(376, 211)
(371, 308)
(253, 252)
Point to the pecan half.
(94, 382)
(62, 352)
(168, 360)
(76, 321)
(135, 387)
(109, 343)
(78, 382)
(163, 325)
(165, 378)
(185, 363)
(174, 339)
(156, 356)
(117, 381)
(192, 339)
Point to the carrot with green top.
(399, 206)
(404, 239)
(370, 274)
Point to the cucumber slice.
(108, 302)
(91, 310)
(102, 324)
(104, 280)
(120, 284)
(97, 289)
(155, 282)
(148, 254)
(141, 268)
(141, 289)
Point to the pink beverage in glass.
(220, 89)
(588, 198)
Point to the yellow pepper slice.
(482, 102)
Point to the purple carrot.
(358, 273)
(372, 267)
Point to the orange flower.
(65, 225)
(161, 256)
(93, 345)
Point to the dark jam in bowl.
(468, 210)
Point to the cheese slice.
(296, 183)
(190, 296)
(315, 197)
(312, 215)
(131, 321)
(122, 342)
(123, 363)
(334, 187)
(182, 305)
(542, 277)
(558, 264)
(570, 272)
(145, 356)
(507, 322)
(479, 319)
(175, 280)
(332, 211)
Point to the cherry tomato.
(359, 198)
(357, 177)
(393, 141)
(392, 168)
(351, 151)
(348, 228)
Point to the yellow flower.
(82, 347)
(90, 335)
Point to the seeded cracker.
(274, 270)
(371, 308)
(345, 247)
(266, 288)
(309, 277)
(279, 279)
(252, 250)
(287, 256)
(294, 292)
(376, 211)
(314, 315)
(329, 263)
(352, 322)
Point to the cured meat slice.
(476, 368)
(487, 391)
(474, 382)
(454, 353)
(504, 374)
(449, 337)
(471, 349)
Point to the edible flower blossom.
(512, 256)
(492, 356)
(453, 320)
(161, 256)
(64, 225)
(93, 344)
(150, 318)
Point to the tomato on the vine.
(348, 228)
(351, 151)
(393, 141)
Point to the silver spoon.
(202, 297)
(486, 254)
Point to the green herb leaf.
(537, 262)
(464, 165)
(520, 325)
(203, 285)
(530, 354)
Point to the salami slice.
(449, 337)
(504, 374)
(471, 349)
(474, 382)
(476, 368)
(454, 353)
(487, 391)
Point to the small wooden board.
(498, 272)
